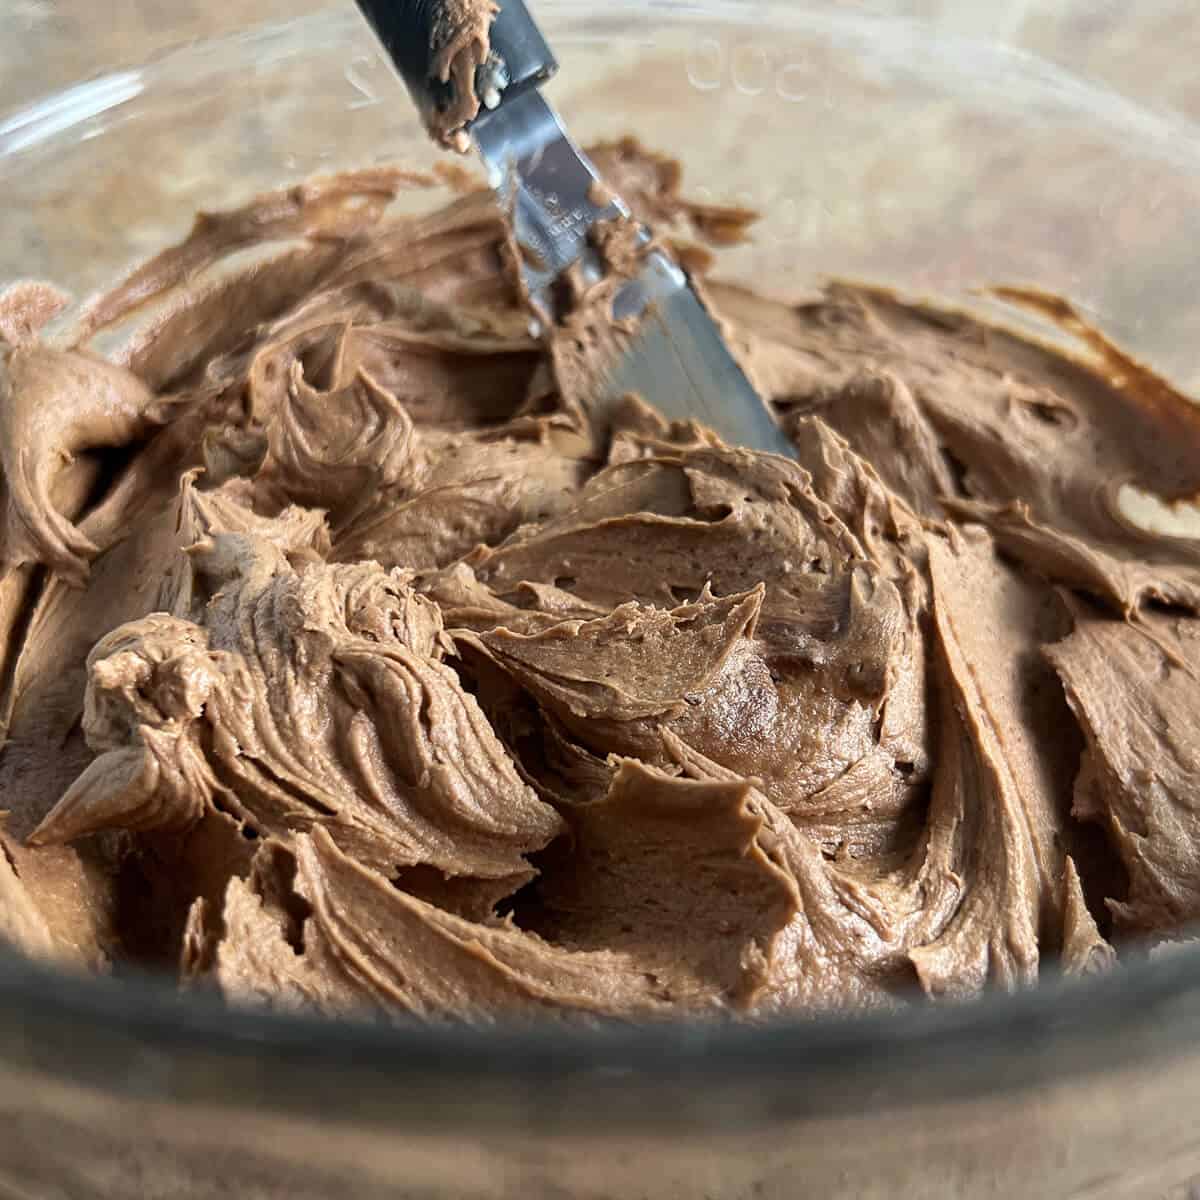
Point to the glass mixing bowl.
(897, 141)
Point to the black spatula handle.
(405, 27)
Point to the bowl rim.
(1139, 1013)
(107, 1034)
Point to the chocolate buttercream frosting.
(351, 660)
(460, 43)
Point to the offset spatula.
(678, 361)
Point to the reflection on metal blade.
(546, 181)
(677, 361)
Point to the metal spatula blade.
(677, 361)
